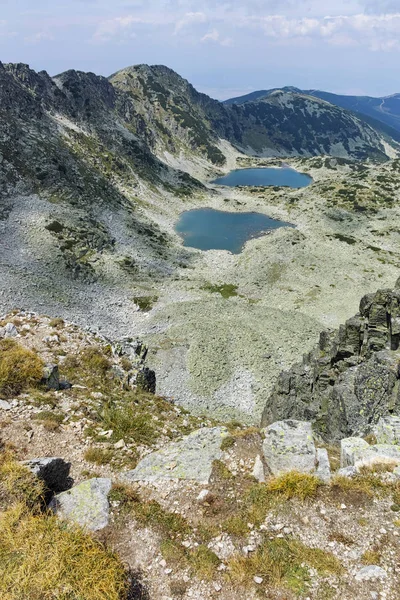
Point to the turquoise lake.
(209, 229)
(282, 177)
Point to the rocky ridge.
(350, 381)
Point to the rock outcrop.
(351, 379)
(191, 458)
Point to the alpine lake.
(210, 229)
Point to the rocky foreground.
(193, 507)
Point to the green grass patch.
(226, 290)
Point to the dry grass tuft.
(294, 485)
(41, 559)
(18, 484)
(20, 369)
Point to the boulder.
(350, 449)
(53, 471)
(51, 377)
(388, 430)
(191, 458)
(356, 452)
(323, 471)
(289, 446)
(85, 504)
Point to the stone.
(8, 331)
(387, 431)
(349, 472)
(85, 504)
(53, 471)
(190, 458)
(289, 446)
(371, 573)
(119, 445)
(323, 471)
(4, 405)
(51, 377)
(380, 453)
(350, 449)
(258, 580)
(258, 470)
(202, 497)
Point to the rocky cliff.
(351, 379)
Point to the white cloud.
(214, 36)
(190, 18)
(377, 32)
(119, 26)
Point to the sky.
(224, 48)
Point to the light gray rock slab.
(371, 573)
(387, 431)
(53, 471)
(190, 458)
(289, 446)
(323, 471)
(4, 405)
(85, 504)
(258, 470)
(350, 449)
(380, 453)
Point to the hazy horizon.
(224, 49)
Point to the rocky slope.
(192, 508)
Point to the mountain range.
(385, 109)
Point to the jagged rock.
(4, 405)
(258, 470)
(289, 446)
(350, 449)
(85, 504)
(350, 380)
(370, 573)
(53, 471)
(388, 430)
(323, 466)
(191, 458)
(51, 377)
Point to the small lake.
(209, 229)
(282, 177)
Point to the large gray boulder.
(191, 458)
(85, 504)
(289, 446)
(8, 331)
(53, 471)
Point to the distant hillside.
(385, 109)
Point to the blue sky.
(224, 48)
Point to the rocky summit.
(170, 427)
